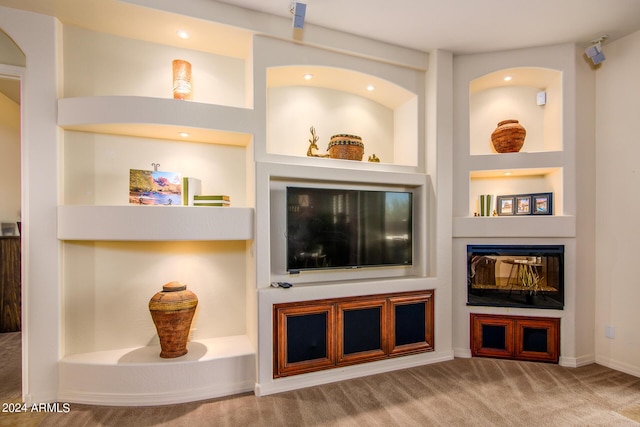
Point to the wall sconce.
(181, 79)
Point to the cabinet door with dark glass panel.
(304, 338)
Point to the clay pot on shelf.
(172, 311)
(508, 136)
(347, 147)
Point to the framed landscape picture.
(505, 205)
(542, 204)
(155, 187)
(523, 205)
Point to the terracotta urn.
(172, 311)
(508, 136)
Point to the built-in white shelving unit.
(248, 128)
(127, 119)
(513, 93)
(533, 86)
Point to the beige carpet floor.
(461, 392)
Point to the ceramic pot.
(508, 136)
(172, 311)
(347, 147)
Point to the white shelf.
(161, 118)
(514, 161)
(515, 226)
(138, 376)
(154, 223)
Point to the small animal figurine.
(373, 158)
(312, 151)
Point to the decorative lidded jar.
(508, 136)
(347, 147)
(172, 311)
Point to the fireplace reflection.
(530, 276)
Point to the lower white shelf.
(515, 226)
(154, 223)
(212, 368)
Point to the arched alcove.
(10, 53)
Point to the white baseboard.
(153, 398)
(619, 366)
(576, 362)
(464, 353)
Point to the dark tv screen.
(346, 228)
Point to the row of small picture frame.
(525, 204)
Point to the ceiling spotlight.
(183, 134)
(183, 34)
(594, 52)
(508, 78)
(371, 88)
(298, 10)
(308, 76)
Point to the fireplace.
(529, 276)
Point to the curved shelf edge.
(514, 161)
(515, 226)
(154, 223)
(213, 368)
(161, 118)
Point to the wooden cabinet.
(515, 337)
(361, 329)
(322, 334)
(411, 323)
(10, 284)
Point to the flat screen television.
(329, 228)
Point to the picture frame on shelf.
(152, 187)
(523, 204)
(505, 205)
(542, 204)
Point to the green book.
(212, 197)
(190, 188)
(212, 204)
(488, 211)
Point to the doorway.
(12, 62)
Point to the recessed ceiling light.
(183, 134)
(371, 88)
(308, 76)
(507, 78)
(507, 173)
(183, 34)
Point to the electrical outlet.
(610, 332)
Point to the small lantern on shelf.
(181, 79)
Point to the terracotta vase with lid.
(347, 147)
(172, 311)
(508, 136)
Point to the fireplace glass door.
(515, 276)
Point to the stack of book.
(211, 200)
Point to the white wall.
(9, 160)
(294, 109)
(97, 64)
(618, 204)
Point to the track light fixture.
(594, 52)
